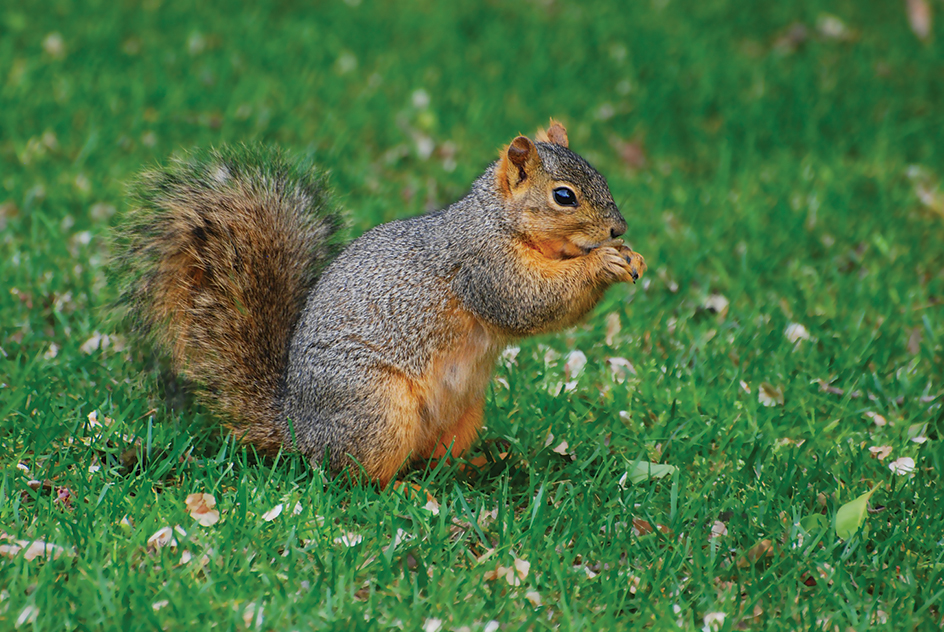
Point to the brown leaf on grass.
(31, 549)
(612, 328)
(349, 539)
(878, 419)
(903, 466)
(717, 304)
(919, 18)
(576, 361)
(927, 188)
(514, 574)
(621, 369)
(791, 39)
(718, 529)
(770, 395)
(253, 615)
(643, 527)
(165, 537)
(880, 452)
(914, 340)
(831, 27)
(761, 550)
(63, 497)
(201, 508)
(273, 513)
(632, 153)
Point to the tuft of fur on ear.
(555, 134)
(517, 163)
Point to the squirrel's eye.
(565, 197)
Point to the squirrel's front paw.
(634, 261)
(621, 264)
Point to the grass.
(800, 179)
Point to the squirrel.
(369, 357)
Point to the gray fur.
(379, 306)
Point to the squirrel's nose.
(619, 225)
(617, 221)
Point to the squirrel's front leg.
(554, 293)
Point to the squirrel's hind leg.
(456, 440)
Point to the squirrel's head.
(563, 206)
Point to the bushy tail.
(216, 259)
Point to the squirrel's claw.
(635, 263)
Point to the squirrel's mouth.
(586, 248)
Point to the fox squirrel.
(381, 354)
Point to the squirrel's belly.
(456, 380)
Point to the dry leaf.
(642, 527)
(522, 568)
(914, 341)
(612, 328)
(878, 419)
(718, 529)
(165, 537)
(769, 395)
(201, 509)
(510, 355)
(54, 46)
(432, 625)
(632, 152)
(713, 621)
(273, 513)
(718, 304)
(880, 451)
(795, 35)
(904, 465)
(761, 550)
(349, 539)
(31, 549)
(561, 448)
(831, 27)
(920, 18)
(514, 575)
(576, 361)
(533, 597)
(796, 332)
(27, 615)
(917, 433)
(621, 369)
(252, 616)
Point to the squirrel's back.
(216, 260)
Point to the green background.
(783, 155)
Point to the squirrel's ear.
(517, 164)
(555, 134)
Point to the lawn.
(780, 166)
